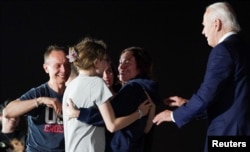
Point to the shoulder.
(38, 88)
(35, 92)
(97, 80)
(131, 84)
(89, 78)
(131, 87)
(145, 83)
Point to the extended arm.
(150, 119)
(18, 108)
(114, 123)
(150, 116)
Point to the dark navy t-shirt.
(45, 127)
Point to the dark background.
(170, 30)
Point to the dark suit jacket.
(224, 93)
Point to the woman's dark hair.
(117, 84)
(143, 60)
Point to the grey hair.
(225, 12)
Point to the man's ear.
(218, 24)
(45, 67)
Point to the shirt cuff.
(172, 117)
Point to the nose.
(202, 32)
(122, 65)
(105, 74)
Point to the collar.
(226, 36)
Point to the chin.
(123, 80)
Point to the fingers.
(71, 110)
(157, 120)
(145, 102)
(57, 106)
(58, 110)
(53, 103)
(162, 116)
(177, 98)
(173, 98)
(148, 104)
(144, 107)
(70, 102)
(175, 101)
(169, 102)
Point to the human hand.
(150, 101)
(71, 110)
(145, 106)
(52, 103)
(175, 101)
(162, 116)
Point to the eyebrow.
(128, 58)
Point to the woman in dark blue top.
(135, 66)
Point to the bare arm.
(150, 119)
(151, 114)
(113, 124)
(18, 108)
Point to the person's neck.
(59, 88)
(89, 72)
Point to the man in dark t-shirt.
(43, 105)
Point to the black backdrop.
(170, 30)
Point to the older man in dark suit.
(225, 91)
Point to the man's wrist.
(140, 113)
(37, 100)
(172, 116)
